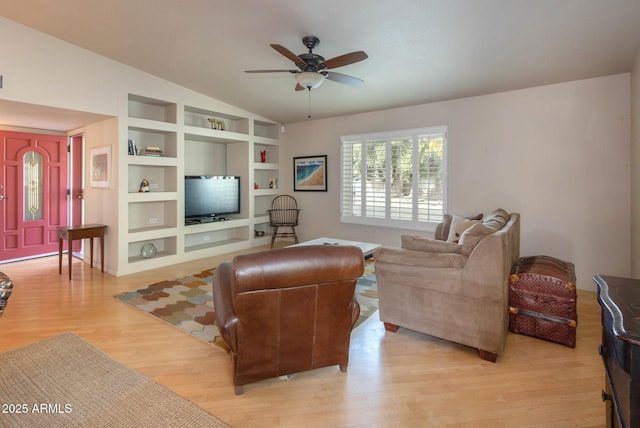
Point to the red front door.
(34, 193)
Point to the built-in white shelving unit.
(194, 140)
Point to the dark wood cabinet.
(619, 299)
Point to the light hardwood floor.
(402, 379)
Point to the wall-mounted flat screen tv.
(211, 196)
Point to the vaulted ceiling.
(419, 51)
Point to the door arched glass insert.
(33, 186)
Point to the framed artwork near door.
(100, 167)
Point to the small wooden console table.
(82, 231)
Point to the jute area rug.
(64, 381)
(187, 303)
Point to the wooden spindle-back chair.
(283, 213)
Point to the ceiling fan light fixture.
(309, 79)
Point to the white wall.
(98, 203)
(558, 154)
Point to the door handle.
(2, 197)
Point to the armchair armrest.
(418, 243)
(226, 318)
(402, 256)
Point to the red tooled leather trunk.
(542, 299)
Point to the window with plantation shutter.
(394, 179)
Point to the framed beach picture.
(100, 167)
(310, 173)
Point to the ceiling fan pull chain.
(309, 103)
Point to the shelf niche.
(262, 204)
(205, 157)
(271, 153)
(266, 129)
(165, 140)
(154, 215)
(199, 118)
(161, 178)
(215, 238)
(165, 246)
(152, 109)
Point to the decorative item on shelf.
(144, 186)
(152, 151)
(133, 150)
(263, 156)
(255, 186)
(273, 183)
(216, 124)
(148, 250)
(259, 232)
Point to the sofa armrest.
(406, 257)
(419, 243)
(226, 318)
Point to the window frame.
(389, 137)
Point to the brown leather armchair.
(287, 310)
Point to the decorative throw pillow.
(458, 226)
(446, 225)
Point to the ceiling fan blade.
(271, 71)
(346, 59)
(299, 87)
(343, 78)
(293, 57)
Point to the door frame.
(75, 192)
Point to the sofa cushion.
(419, 243)
(472, 236)
(458, 226)
(446, 225)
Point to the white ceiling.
(419, 50)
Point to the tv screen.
(211, 196)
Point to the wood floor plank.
(402, 379)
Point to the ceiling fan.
(313, 68)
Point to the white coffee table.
(367, 248)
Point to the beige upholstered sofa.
(457, 291)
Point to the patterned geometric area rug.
(187, 303)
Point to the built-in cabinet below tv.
(242, 145)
